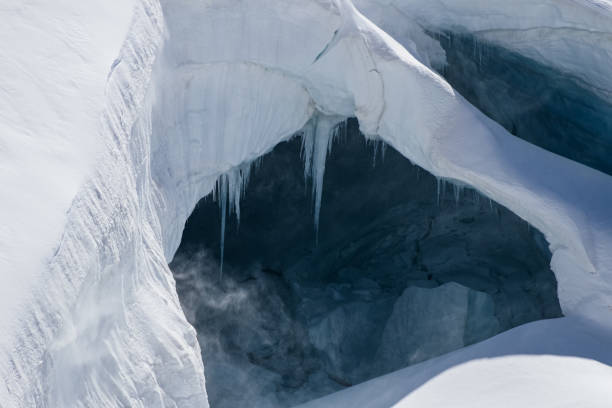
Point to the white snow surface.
(109, 139)
(551, 363)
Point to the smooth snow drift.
(118, 118)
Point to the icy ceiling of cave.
(119, 116)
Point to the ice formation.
(317, 143)
(118, 117)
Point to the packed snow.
(117, 117)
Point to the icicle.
(379, 146)
(231, 187)
(322, 146)
(317, 142)
(443, 189)
(222, 197)
(375, 153)
(438, 181)
(457, 193)
(307, 150)
(383, 150)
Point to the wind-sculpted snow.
(106, 149)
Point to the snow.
(550, 363)
(109, 140)
(511, 381)
(539, 381)
(55, 61)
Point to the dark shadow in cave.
(540, 104)
(397, 277)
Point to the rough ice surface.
(118, 117)
(431, 322)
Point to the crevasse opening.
(536, 102)
(366, 265)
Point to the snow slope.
(74, 332)
(55, 61)
(550, 363)
(109, 140)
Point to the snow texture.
(118, 117)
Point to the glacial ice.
(318, 138)
(228, 190)
(118, 117)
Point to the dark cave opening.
(401, 273)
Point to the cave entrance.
(405, 268)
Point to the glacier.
(118, 117)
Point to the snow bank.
(550, 363)
(100, 179)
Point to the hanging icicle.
(229, 190)
(222, 185)
(317, 141)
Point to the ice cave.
(306, 203)
(402, 268)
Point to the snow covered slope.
(109, 140)
(73, 328)
(550, 363)
(55, 63)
